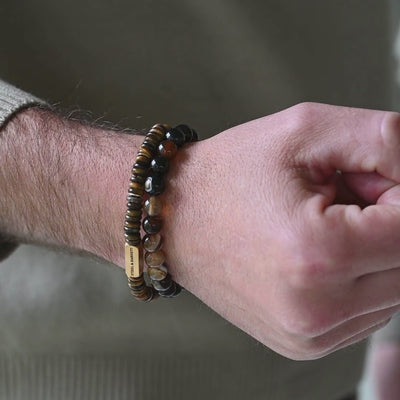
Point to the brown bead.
(141, 180)
(154, 138)
(137, 188)
(157, 273)
(167, 149)
(154, 259)
(153, 206)
(134, 199)
(152, 243)
(138, 170)
(162, 127)
(145, 152)
(143, 159)
(135, 242)
(133, 224)
(132, 236)
(134, 213)
(147, 294)
(133, 206)
(149, 145)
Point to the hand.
(259, 226)
(256, 223)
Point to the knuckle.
(314, 266)
(304, 114)
(390, 130)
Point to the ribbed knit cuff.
(11, 101)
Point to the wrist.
(63, 183)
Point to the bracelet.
(148, 179)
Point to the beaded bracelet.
(148, 176)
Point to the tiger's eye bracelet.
(148, 176)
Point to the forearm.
(63, 182)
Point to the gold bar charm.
(133, 268)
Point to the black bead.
(159, 165)
(195, 136)
(152, 225)
(186, 131)
(173, 291)
(154, 185)
(164, 284)
(177, 136)
(170, 292)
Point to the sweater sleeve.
(11, 101)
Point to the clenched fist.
(289, 226)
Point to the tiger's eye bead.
(154, 185)
(167, 149)
(153, 206)
(152, 243)
(176, 136)
(159, 165)
(152, 225)
(157, 273)
(154, 259)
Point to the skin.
(258, 224)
